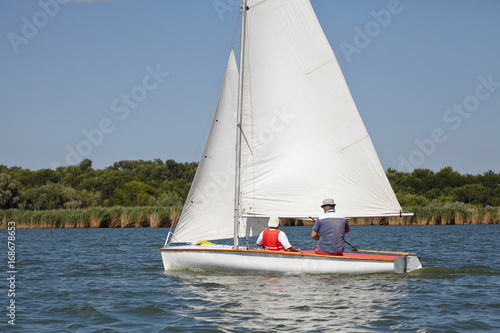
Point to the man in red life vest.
(273, 239)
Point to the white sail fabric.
(209, 207)
(304, 139)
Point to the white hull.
(225, 258)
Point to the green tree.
(10, 192)
(50, 196)
(475, 194)
(449, 177)
(85, 165)
(134, 193)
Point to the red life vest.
(271, 242)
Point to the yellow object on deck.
(205, 243)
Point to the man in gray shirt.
(330, 229)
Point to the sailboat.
(285, 135)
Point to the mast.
(238, 131)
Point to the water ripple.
(112, 280)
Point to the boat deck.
(353, 255)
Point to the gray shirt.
(331, 229)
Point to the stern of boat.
(407, 263)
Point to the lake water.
(112, 280)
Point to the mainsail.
(304, 139)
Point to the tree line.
(423, 187)
(166, 184)
(125, 183)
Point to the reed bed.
(457, 214)
(154, 220)
(97, 217)
(156, 217)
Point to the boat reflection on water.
(300, 302)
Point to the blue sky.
(128, 80)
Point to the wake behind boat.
(298, 138)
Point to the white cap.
(274, 222)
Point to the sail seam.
(355, 142)
(320, 66)
(259, 3)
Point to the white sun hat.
(274, 222)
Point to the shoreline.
(158, 217)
